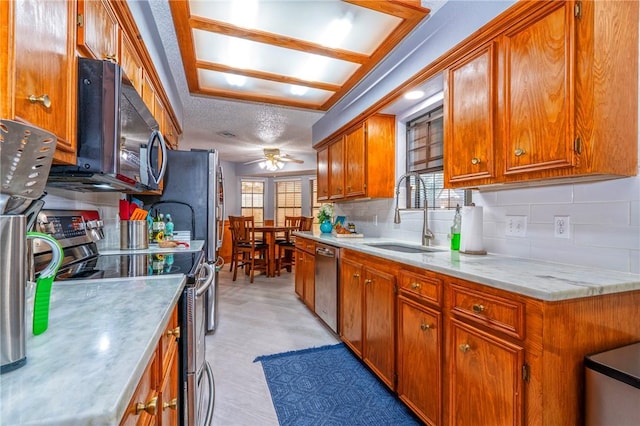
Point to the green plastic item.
(44, 283)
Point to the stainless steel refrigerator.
(193, 196)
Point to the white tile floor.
(262, 318)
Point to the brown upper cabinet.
(98, 31)
(130, 63)
(39, 69)
(360, 162)
(552, 95)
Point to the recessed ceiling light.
(414, 94)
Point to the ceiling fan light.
(262, 164)
(279, 164)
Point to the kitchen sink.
(404, 248)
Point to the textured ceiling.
(207, 122)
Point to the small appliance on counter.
(26, 153)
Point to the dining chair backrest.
(306, 223)
(242, 229)
(293, 221)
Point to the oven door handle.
(210, 276)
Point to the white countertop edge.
(559, 282)
(25, 391)
(194, 246)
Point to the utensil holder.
(134, 235)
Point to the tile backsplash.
(604, 226)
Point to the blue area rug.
(329, 386)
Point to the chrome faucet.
(427, 235)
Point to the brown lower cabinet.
(459, 352)
(305, 270)
(155, 401)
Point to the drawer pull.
(464, 348)
(173, 404)
(368, 281)
(425, 327)
(519, 152)
(475, 161)
(45, 100)
(478, 308)
(150, 407)
(175, 332)
(415, 286)
(356, 275)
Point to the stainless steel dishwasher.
(326, 281)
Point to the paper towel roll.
(471, 230)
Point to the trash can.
(612, 387)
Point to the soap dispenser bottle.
(455, 229)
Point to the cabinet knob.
(475, 161)
(368, 281)
(464, 348)
(415, 286)
(175, 332)
(425, 327)
(150, 407)
(45, 100)
(478, 308)
(519, 152)
(356, 275)
(173, 404)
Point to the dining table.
(269, 232)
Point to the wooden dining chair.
(286, 247)
(248, 253)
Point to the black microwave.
(119, 145)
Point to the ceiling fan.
(273, 160)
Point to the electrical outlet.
(561, 226)
(516, 226)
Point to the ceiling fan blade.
(254, 161)
(288, 159)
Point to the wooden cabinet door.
(419, 360)
(323, 173)
(539, 92)
(309, 281)
(131, 64)
(469, 122)
(485, 378)
(98, 30)
(45, 74)
(355, 158)
(336, 169)
(351, 309)
(300, 272)
(379, 324)
(168, 408)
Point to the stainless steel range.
(78, 230)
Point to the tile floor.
(262, 318)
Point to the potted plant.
(324, 217)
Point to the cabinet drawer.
(306, 245)
(427, 286)
(142, 408)
(168, 340)
(492, 311)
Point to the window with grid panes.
(288, 199)
(425, 137)
(315, 205)
(252, 200)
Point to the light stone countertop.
(194, 245)
(85, 368)
(538, 279)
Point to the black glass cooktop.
(132, 265)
